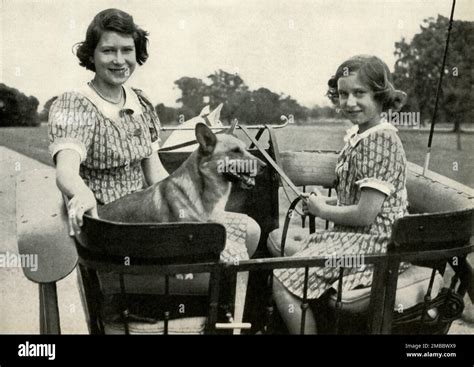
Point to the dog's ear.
(206, 138)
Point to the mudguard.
(42, 226)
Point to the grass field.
(445, 158)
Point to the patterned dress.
(112, 141)
(375, 159)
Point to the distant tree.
(17, 109)
(325, 112)
(251, 107)
(230, 90)
(290, 107)
(167, 115)
(185, 113)
(267, 106)
(193, 91)
(418, 65)
(245, 109)
(43, 115)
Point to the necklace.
(91, 84)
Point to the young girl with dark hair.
(371, 193)
(104, 136)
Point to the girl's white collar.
(353, 137)
(113, 112)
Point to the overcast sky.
(288, 46)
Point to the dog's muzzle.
(246, 181)
(244, 177)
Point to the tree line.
(17, 109)
(261, 106)
(416, 72)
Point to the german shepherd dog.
(197, 190)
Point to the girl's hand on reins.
(83, 202)
(314, 202)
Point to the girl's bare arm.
(81, 198)
(153, 169)
(362, 214)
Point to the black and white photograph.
(239, 169)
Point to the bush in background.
(16, 109)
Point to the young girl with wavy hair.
(371, 193)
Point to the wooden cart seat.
(411, 287)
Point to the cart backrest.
(122, 250)
(156, 243)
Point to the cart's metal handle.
(250, 127)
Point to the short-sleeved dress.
(112, 141)
(375, 159)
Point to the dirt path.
(19, 305)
